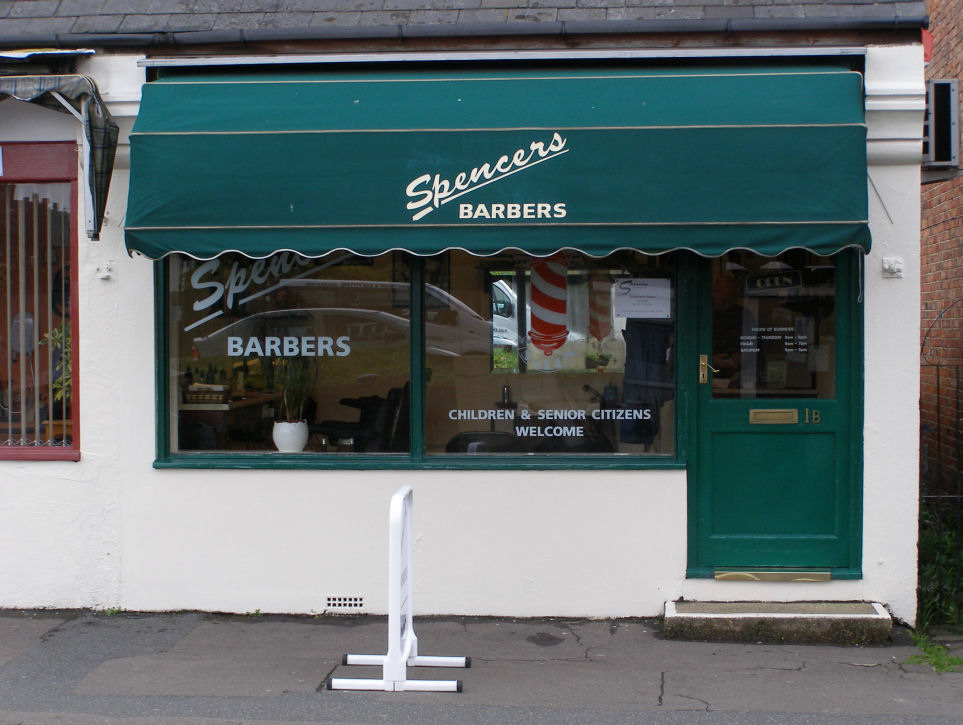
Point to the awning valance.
(766, 159)
(77, 95)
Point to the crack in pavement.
(324, 680)
(708, 708)
(660, 701)
(798, 668)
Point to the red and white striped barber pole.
(548, 303)
(600, 307)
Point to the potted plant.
(292, 381)
(58, 416)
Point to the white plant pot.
(290, 437)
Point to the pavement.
(89, 668)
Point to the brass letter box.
(773, 416)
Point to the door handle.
(704, 368)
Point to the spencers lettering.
(429, 191)
(241, 276)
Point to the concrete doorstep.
(849, 623)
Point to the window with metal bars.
(37, 263)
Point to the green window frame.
(418, 458)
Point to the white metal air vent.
(941, 127)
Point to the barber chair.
(591, 442)
(486, 441)
(382, 425)
(358, 435)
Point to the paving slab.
(206, 669)
(21, 632)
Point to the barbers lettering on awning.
(533, 210)
(430, 191)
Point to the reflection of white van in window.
(504, 314)
(451, 327)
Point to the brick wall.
(941, 305)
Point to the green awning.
(766, 159)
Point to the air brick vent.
(345, 604)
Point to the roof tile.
(385, 17)
(580, 15)
(97, 24)
(192, 21)
(144, 23)
(690, 12)
(601, 3)
(163, 7)
(335, 18)
(80, 8)
(437, 4)
(14, 26)
(34, 9)
(536, 15)
(483, 15)
(516, 5)
(729, 11)
(49, 26)
(122, 7)
(216, 6)
(797, 10)
(433, 17)
(347, 5)
(265, 7)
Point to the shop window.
(37, 377)
(289, 339)
(577, 358)
(514, 355)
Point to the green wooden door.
(775, 482)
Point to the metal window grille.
(941, 496)
(35, 369)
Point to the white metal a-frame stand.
(402, 642)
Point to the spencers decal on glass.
(273, 271)
(428, 192)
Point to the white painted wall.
(59, 521)
(895, 105)
(28, 122)
(111, 531)
(510, 543)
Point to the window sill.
(307, 461)
(39, 454)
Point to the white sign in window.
(643, 298)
